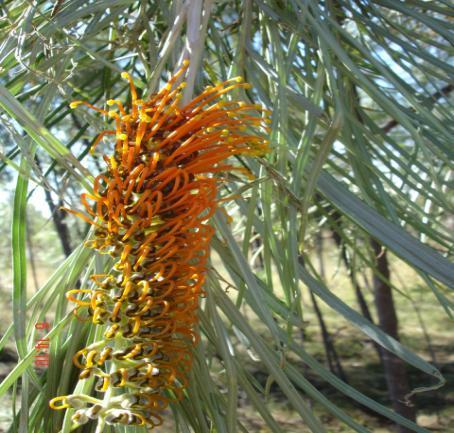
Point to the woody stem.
(197, 21)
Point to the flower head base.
(150, 209)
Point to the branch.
(56, 8)
(197, 22)
(433, 98)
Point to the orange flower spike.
(152, 205)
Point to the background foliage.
(362, 121)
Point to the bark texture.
(395, 369)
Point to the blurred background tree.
(346, 229)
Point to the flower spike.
(150, 212)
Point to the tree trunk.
(58, 217)
(332, 357)
(335, 226)
(395, 370)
